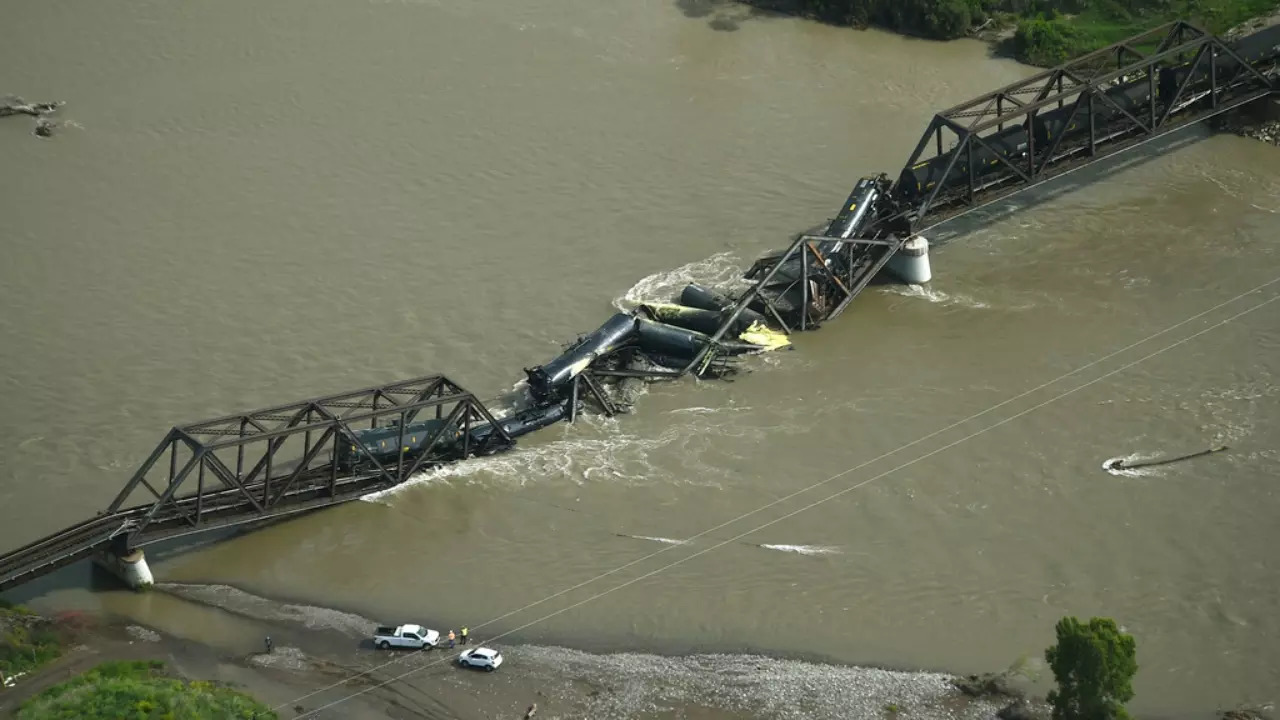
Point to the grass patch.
(27, 640)
(1048, 32)
(140, 691)
(1051, 36)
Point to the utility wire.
(821, 483)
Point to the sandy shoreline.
(323, 662)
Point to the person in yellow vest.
(464, 636)
(451, 637)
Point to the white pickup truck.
(406, 636)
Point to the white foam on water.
(137, 632)
(1132, 472)
(708, 410)
(1232, 413)
(610, 456)
(238, 601)
(933, 295)
(663, 540)
(804, 549)
(722, 271)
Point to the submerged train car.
(383, 442)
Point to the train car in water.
(383, 442)
(1110, 122)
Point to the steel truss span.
(1085, 110)
(276, 462)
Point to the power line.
(841, 474)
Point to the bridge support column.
(131, 568)
(911, 262)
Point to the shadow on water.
(77, 576)
(85, 574)
(984, 216)
(724, 15)
(955, 228)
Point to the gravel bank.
(627, 685)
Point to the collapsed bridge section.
(987, 148)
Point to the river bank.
(321, 666)
(1250, 125)
(1041, 34)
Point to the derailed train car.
(672, 335)
(863, 212)
(382, 443)
(1109, 122)
(663, 335)
(870, 227)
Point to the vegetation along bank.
(48, 672)
(1037, 32)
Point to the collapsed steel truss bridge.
(272, 463)
(1178, 73)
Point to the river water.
(259, 202)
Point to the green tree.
(1094, 665)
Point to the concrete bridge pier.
(911, 262)
(130, 567)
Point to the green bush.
(1094, 666)
(940, 19)
(1048, 42)
(1049, 31)
(140, 691)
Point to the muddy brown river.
(256, 202)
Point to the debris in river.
(1125, 463)
(14, 105)
(1246, 713)
(987, 685)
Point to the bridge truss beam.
(1088, 87)
(810, 282)
(268, 464)
(279, 460)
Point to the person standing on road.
(451, 637)
(464, 636)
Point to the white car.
(405, 636)
(481, 657)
